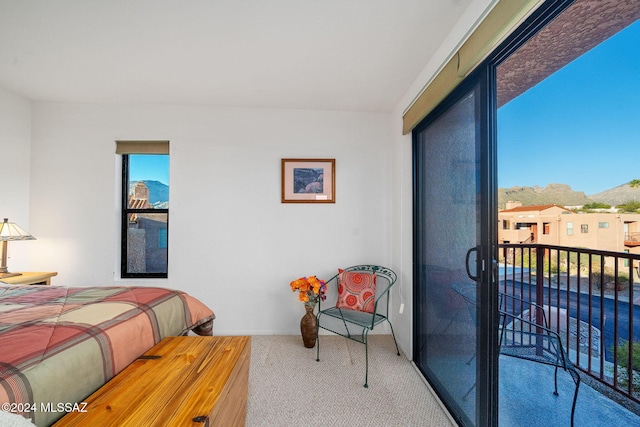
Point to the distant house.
(531, 224)
(139, 197)
(556, 225)
(147, 239)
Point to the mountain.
(559, 194)
(158, 192)
(618, 195)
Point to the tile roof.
(534, 208)
(584, 25)
(138, 203)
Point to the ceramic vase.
(308, 327)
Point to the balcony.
(593, 301)
(632, 239)
(519, 235)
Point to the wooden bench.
(182, 381)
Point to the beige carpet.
(287, 387)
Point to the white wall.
(15, 150)
(232, 243)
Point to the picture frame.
(308, 181)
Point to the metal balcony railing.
(588, 296)
(632, 239)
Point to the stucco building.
(556, 225)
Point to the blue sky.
(580, 126)
(149, 168)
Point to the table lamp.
(10, 231)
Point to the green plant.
(623, 364)
(630, 207)
(634, 183)
(595, 205)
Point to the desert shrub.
(623, 363)
(629, 207)
(595, 205)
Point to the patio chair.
(525, 334)
(524, 337)
(362, 303)
(574, 333)
(445, 306)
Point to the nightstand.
(30, 278)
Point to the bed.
(58, 345)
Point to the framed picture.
(308, 180)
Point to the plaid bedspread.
(58, 345)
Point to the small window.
(569, 229)
(162, 238)
(603, 225)
(145, 213)
(506, 224)
(546, 228)
(584, 228)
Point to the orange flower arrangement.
(311, 290)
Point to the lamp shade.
(11, 231)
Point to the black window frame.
(126, 211)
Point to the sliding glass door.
(453, 252)
(455, 206)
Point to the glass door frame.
(486, 336)
(485, 76)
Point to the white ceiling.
(356, 55)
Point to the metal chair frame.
(525, 338)
(355, 325)
(535, 341)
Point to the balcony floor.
(526, 399)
